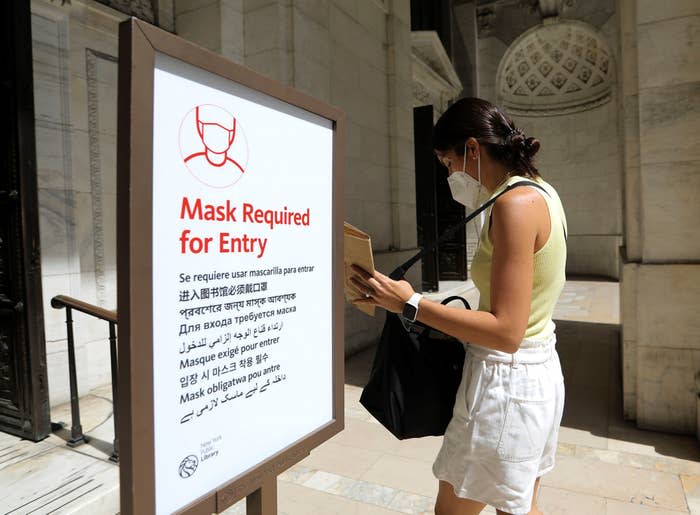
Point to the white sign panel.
(242, 345)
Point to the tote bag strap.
(401, 270)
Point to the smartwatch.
(410, 309)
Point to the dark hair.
(477, 118)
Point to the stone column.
(401, 152)
(465, 46)
(661, 269)
(213, 24)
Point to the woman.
(503, 434)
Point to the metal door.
(24, 392)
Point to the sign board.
(229, 275)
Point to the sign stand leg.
(264, 500)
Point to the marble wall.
(661, 278)
(216, 25)
(75, 76)
(75, 55)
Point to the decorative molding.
(142, 9)
(546, 8)
(560, 67)
(63, 212)
(537, 112)
(427, 46)
(435, 80)
(485, 21)
(531, 6)
(91, 57)
(421, 95)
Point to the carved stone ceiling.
(564, 66)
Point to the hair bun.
(519, 144)
(532, 145)
(515, 140)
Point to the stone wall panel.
(653, 10)
(669, 123)
(666, 398)
(669, 52)
(668, 297)
(671, 211)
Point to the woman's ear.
(473, 148)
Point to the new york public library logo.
(188, 466)
(213, 146)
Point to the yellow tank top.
(549, 264)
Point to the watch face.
(409, 312)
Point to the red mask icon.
(217, 129)
(210, 149)
(215, 137)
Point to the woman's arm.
(515, 222)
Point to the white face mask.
(216, 138)
(465, 189)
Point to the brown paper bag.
(358, 251)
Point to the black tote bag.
(416, 369)
(414, 378)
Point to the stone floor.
(605, 465)
(50, 477)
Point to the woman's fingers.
(374, 284)
(361, 286)
(361, 272)
(365, 275)
(380, 276)
(377, 288)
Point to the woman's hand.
(380, 290)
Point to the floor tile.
(691, 487)
(372, 493)
(412, 503)
(554, 501)
(651, 488)
(424, 449)
(299, 500)
(341, 459)
(366, 435)
(407, 474)
(614, 507)
(571, 435)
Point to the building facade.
(610, 87)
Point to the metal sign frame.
(138, 44)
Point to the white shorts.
(505, 425)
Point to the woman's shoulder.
(546, 186)
(524, 193)
(520, 207)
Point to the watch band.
(410, 308)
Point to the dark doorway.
(452, 254)
(24, 391)
(435, 209)
(426, 198)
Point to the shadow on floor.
(590, 357)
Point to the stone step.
(59, 481)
